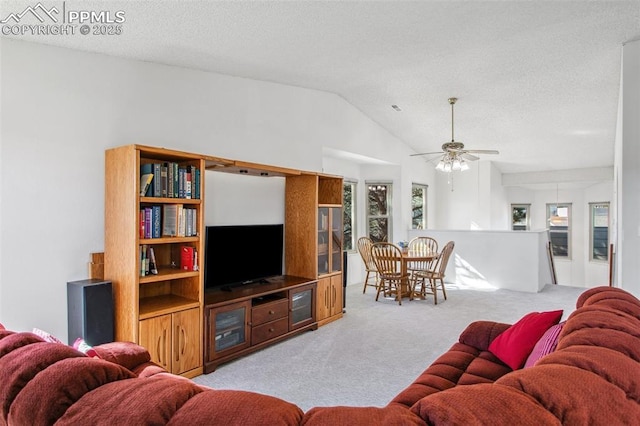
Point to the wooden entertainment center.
(166, 309)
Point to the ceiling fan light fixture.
(454, 153)
(455, 164)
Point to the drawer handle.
(271, 330)
(271, 312)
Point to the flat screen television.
(237, 255)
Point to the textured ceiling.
(536, 80)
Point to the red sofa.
(592, 378)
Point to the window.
(520, 217)
(379, 211)
(349, 214)
(599, 232)
(418, 206)
(559, 220)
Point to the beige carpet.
(377, 348)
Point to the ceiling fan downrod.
(452, 101)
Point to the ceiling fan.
(453, 153)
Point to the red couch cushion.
(391, 415)
(483, 404)
(236, 408)
(47, 396)
(21, 365)
(514, 345)
(148, 401)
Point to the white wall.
(627, 171)
(488, 260)
(472, 199)
(62, 108)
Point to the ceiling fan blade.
(482, 151)
(468, 156)
(427, 153)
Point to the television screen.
(242, 254)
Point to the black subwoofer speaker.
(90, 311)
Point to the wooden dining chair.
(388, 260)
(364, 248)
(420, 246)
(428, 281)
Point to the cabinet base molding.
(330, 319)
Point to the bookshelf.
(163, 310)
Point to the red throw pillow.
(514, 345)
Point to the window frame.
(351, 215)
(592, 232)
(527, 216)
(568, 231)
(388, 216)
(424, 188)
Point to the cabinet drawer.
(269, 330)
(269, 311)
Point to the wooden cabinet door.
(335, 295)
(227, 329)
(155, 335)
(186, 341)
(323, 301)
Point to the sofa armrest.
(480, 334)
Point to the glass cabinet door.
(336, 239)
(228, 328)
(302, 306)
(323, 240)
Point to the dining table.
(409, 256)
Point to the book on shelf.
(187, 254)
(195, 182)
(176, 179)
(156, 218)
(181, 226)
(145, 184)
(170, 220)
(163, 180)
(157, 182)
(144, 261)
(142, 220)
(153, 266)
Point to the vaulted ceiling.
(537, 80)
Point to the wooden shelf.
(165, 304)
(169, 240)
(166, 274)
(162, 200)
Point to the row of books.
(169, 220)
(149, 266)
(169, 180)
(148, 263)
